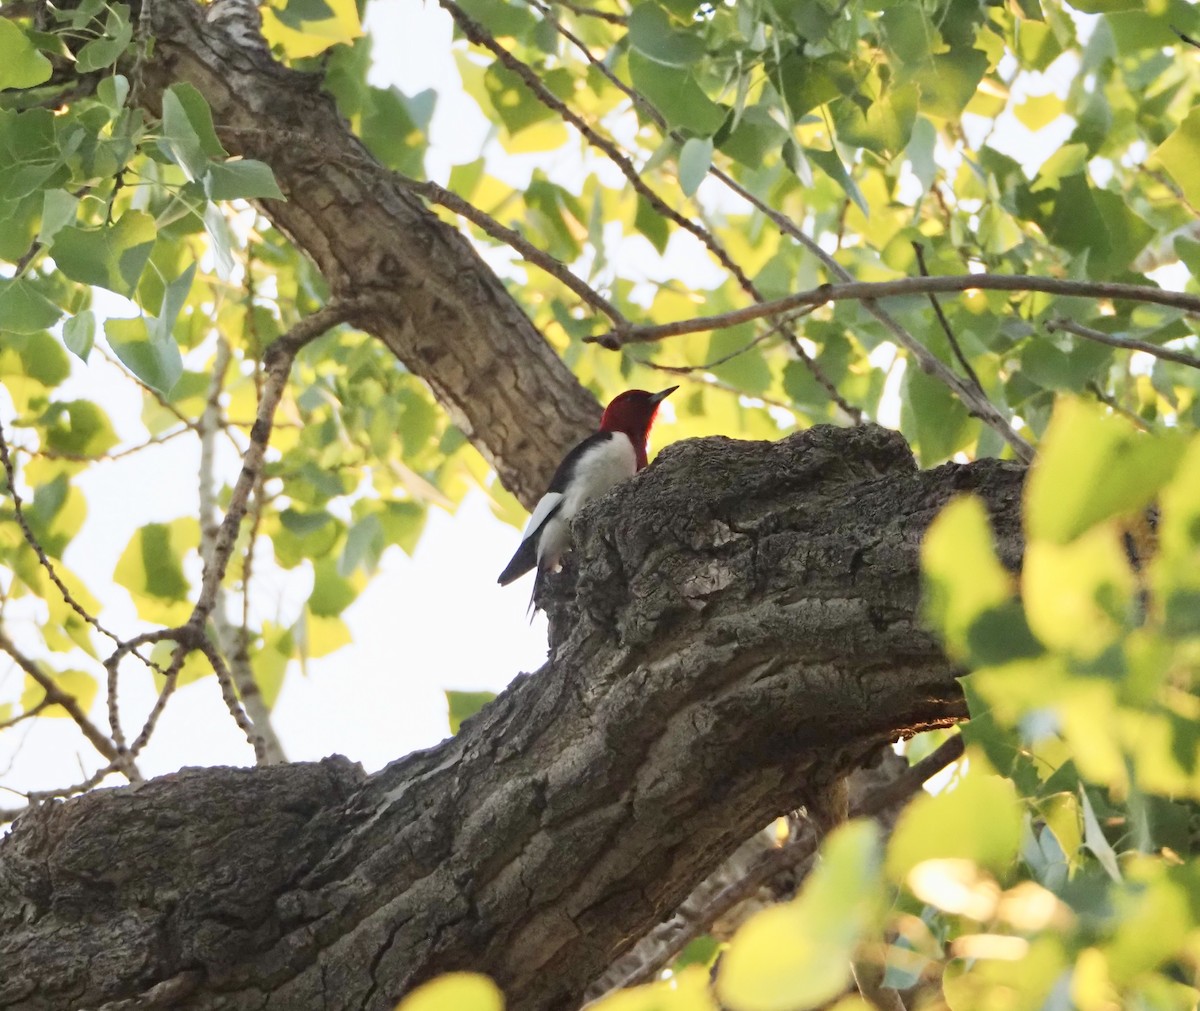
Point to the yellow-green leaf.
(979, 820)
(1078, 595)
(80, 685)
(456, 991)
(797, 955)
(1179, 154)
(1091, 466)
(964, 578)
(21, 65)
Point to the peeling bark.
(738, 629)
(441, 310)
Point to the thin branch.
(56, 696)
(1129, 343)
(239, 666)
(1113, 404)
(911, 780)
(191, 635)
(278, 359)
(53, 454)
(264, 753)
(43, 558)
(946, 329)
(863, 291)
(592, 12)
(453, 202)
(686, 370)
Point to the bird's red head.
(632, 412)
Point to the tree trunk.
(741, 631)
(439, 308)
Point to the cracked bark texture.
(439, 308)
(739, 629)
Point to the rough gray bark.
(741, 630)
(440, 309)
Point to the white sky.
(434, 621)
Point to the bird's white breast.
(604, 465)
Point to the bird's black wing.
(526, 554)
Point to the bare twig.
(239, 667)
(950, 336)
(56, 696)
(683, 370)
(53, 454)
(1115, 405)
(43, 558)
(452, 201)
(1129, 343)
(591, 12)
(278, 358)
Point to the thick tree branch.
(436, 304)
(743, 632)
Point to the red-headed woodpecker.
(616, 452)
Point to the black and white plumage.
(611, 455)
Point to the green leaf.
(103, 52)
(514, 103)
(80, 685)
(113, 90)
(463, 705)
(24, 309)
(58, 211)
(332, 592)
(195, 664)
(651, 224)
(1092, 466)
(1179, 154)
(964, 578)
(295, 12)
(161, 327)
(694, 162)
(112, 256)
(932, 415)
(652, 34)
(153, 358)
(79, 334)
(979, 820)
(797, 955)
(188, 134)
(675, 93)
(36, 356)
(270, 660)
(1096, 841)
(245, 179)
(831, 164)
(21, 65)
(151, 569)
(77, 427)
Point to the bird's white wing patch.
(543, 509)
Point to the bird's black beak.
(662, 395)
